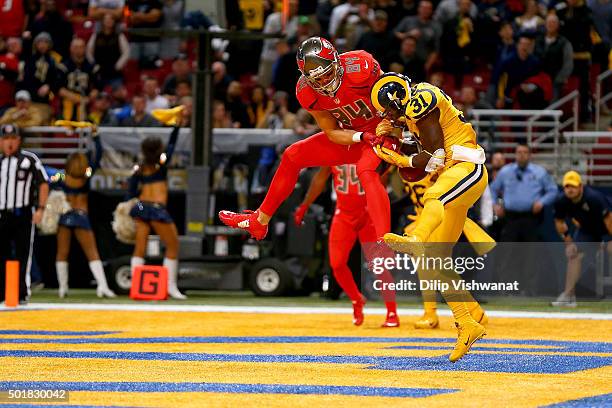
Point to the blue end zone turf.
(600, 401)
(490, 362)
(232, 388)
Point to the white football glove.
(436, 161)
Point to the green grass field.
(246, 298)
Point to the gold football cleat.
(469, 333)
(407, 244)
(427, 321)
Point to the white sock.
(61, 267)
(172, 266)
(136, 261)
(98, 272)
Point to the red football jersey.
(351, 105)
(350, 195)
(12, 16)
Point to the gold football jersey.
(425, 98)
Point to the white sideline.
(291, 310)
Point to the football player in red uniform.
(335, 89)
(350, 223)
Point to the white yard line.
(291, 310)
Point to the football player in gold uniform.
(480, 240)
(449, 148)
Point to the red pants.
(317, 151)
(346, 228)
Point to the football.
(408, 147)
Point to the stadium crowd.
(75, 60)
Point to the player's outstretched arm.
(432, 138)
(328, 124)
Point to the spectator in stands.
(50, 20)
(379, 40)
(119, 103)
(221, 80)
(110, 50)
(437, 79)
(426, 31)
(524, 188)
(183, 88)
(154, 100)
(556, 54)
(9, 70)
(181, 71)
(79, 82)
(280, 117)
(590, 212)
(450, 9)
(497, 162)
(407, 62)
(41, 75)
(259, 108)
(235, 107)
(354, 22)
(172, 13)
(98, 9)
(339, 12)
(220, 117)
(187, 113)
(470, 100)
(530, 22)
(101, 113)
(324, 11)
(602, 18)
(456, 43)
(139, 116)
(305, 125)
(274, 25)
(23, 114)
(14, 46)
(285, 76)
(576, 26)
(145, 14)
(491, 15)
(393, 10)
(12, 15)
(514, 70)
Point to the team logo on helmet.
(390, 94)
(319, 62)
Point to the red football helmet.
(319, 62)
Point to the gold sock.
(460, 312)
(431, 217)
(430, 307)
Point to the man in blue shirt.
(590, 212)
(522, 189)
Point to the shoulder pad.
(359, 66)
(306, 96)
(423, 99)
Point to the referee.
(23, 194)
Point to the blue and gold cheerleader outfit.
(148, 211)
(76, 218)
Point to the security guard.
(23, 193)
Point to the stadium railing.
(499, 130)
(602, 83)
(589, 153)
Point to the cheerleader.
(76, 184)
(149, 184)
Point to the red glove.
(372, 138)
(298, 216)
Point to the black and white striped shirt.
(20, 176)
